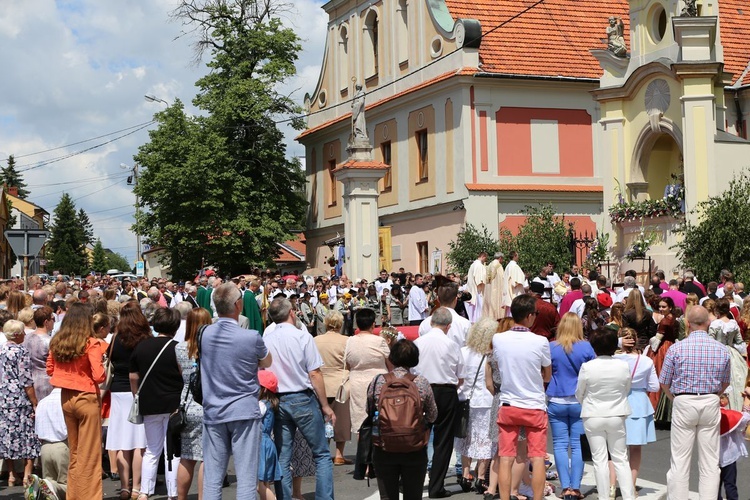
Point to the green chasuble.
(204, 298)
(251, 310)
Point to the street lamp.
(153, 98)
(133, 181)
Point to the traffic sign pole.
(26, 243)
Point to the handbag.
(461, 427)
(109, 368)
(364, 442)
(342, 394)
(194, 384)
(135, 417)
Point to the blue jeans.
(301, 410)
(567, 427)
(240, 438)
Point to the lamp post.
(133, 181)
(153, 98)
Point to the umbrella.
(314, 272)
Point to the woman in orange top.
(75, 365)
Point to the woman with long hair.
(591, 320)
(726, 331)
(126, 439)
(615, 316)
(15, 302)
(639, 426)
(477, 444)
(192, 434)
(75, 365)
(659, 344)
(637, 317)
(396, 305)
(569, 352)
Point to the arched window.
(371, 44)
(402, 33)
(344, 75)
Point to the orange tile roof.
(734, 24)
(359, 164)
(552, 39)
(536, 187)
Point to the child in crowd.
(732, 442)
(268, 464)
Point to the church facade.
(481, 108)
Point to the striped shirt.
(696, 365)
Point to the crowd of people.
(96, 372)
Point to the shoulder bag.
(194, 385)
(342, 394)
(109, 368)
(135, 417)
(461, 427)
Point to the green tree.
(218, 187)
(66, 250)
(99, 258)
(467, 246)
(86, 228)
(12, 178)
(543, 237)
(715, 241)
(117, 261)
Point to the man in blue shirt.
(303, 403)
(230, 357)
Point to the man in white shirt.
(579, 305)
(441, 363)
(383, 283)
(475, 280)
(524, 363)
(51, 430)
(418, 305)
(459, 330)
(303, 403)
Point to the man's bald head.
(40, 298)
(698, 318)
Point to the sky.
(79, 69)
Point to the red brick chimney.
(13, 191)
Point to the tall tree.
(87, 229)
(99, 258)
(12, 178)
(66, 249)
(117, 261)
(218, 186)
(715, 242)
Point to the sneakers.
(31, 491)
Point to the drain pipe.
(738, 109)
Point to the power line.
(113, 217)
(44, 163)
(98, 190)
(92, 179)
(109, 209)
(78, 142)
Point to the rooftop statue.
(616, 37)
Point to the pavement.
(651, 481)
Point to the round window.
(322, 98)
(436, 47)
(658, 23)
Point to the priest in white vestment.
(496, 298)
(475, 281)
(515, 279)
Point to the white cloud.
(79, 69)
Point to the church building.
(623, 115)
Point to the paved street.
(651, 483)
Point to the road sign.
(139, 269)
(26, 242)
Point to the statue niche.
(616, 37)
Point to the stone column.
(360, 179)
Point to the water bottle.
(329, 430)
(375, 425)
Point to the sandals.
(124, 493)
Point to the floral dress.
(17, 435)
(192, 433)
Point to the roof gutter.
(508, 76)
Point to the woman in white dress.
(727, 331)
(639, 426)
